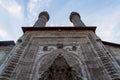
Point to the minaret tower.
(76, 20)
(42, 19)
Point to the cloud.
(14, 18)
(13, 8)
(4, 35)
(61, 15)
(34, 7)
(15, 15)
(106, 21)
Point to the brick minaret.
(76, 19)
(42, 19)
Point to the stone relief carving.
(69, 48)
(60, 70)
(47, 54)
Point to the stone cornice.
(87, 28)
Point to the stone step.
(114, 76)
(105, 59)
(116, 79)
(8, 71)
(8, 68)
(12, 63)
(110, 69)
(106, 63)
(14, 60)
(11, 66)
(112, 72)
(3, 78)
(108, 66)
(16, 57)
(6, 75)
(17, 54)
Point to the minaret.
(76, 19)
(42, 19)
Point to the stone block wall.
(4, 52)
(115, 51)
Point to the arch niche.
(60, 65)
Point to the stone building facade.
(59, 53)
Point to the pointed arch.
(44, 62)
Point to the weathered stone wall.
(4, 52)
(115, 51)
(82, 50)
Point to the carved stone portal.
(60, 70)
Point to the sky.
(105, 14)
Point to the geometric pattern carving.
(74, 48)
(45, 48)
(60, 70)
(59, 45)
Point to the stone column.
(76, 20)
(42, 19)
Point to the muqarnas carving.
(60, 70)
